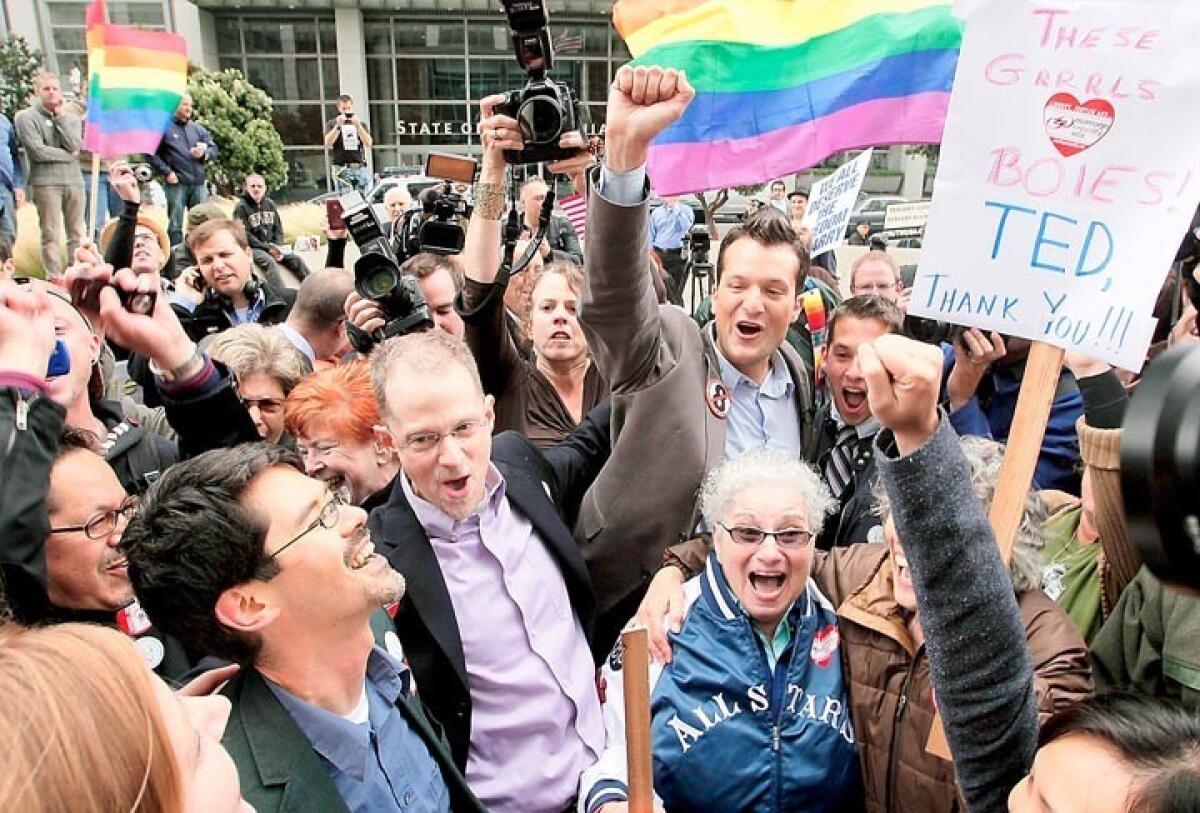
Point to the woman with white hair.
(752, 712)
(891, 703)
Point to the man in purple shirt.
(497, 619)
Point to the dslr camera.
(377, 274)
(544, 109)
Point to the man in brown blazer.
(684, 399)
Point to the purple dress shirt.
(536, 722)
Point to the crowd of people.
(258, 553)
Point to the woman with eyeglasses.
(881, 645)
(266, 366)
(753, 711)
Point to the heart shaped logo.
(1074, 127)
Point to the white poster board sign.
(906, 216)
(830, 202)
(1069, 171)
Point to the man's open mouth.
(854, 397)
(748, 330)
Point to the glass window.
(234, 62)
(379, 78)
(445, 37)
(69, 39)
(488, 39)
(307, 174)
(229, 35)
(430, 78)
(262, 37)
(285, 77)
(598, 80)
(378, 36)
(383, 123)
(298, 124)
(490, 76)
(143, 14)
(301, 36)
(431, 124)
(67, 13)
(328, 35)
(331, 77)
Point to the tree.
(19, 66)
(238, 115)
(711, 207)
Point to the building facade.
(417, 69)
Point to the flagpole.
(95, 199)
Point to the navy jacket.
(174, 154)
(10, 159)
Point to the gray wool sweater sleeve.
(979, 662)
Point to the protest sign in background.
(905, 219)
(830, 202)
(1069, 171)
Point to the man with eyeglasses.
(500, 608)
(62, 507)
(875, 274)
(244, 557)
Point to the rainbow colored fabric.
(783, 84)
(136, 79)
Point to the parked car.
(871, 210)
(416, 185)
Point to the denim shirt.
(379, 765)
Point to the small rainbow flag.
(783, 84)
(136, 79)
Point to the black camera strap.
(512, 233)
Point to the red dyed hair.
(339, 399)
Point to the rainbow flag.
(136, 79)
(783, 84)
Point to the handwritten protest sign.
(830, 202)
(1069, 171)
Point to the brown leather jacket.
(891, 703)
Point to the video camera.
(377, 274)
(1160, 467)
(544, 109)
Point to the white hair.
(731, 479)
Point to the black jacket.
(855, 515)
(209, 316)
(563, 240)
(27, 450)
(263, 226)
(546, 487)
(280, 772)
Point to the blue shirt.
(378, 765)
(761, 415)
(669, 225)
(10, 159)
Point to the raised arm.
(978, 658)
(618, 309)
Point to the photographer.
(347, 138)
(561, 242)
(546, 397)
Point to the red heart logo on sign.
(1074, 127)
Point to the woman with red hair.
(334, 417)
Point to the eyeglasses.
(327, 519)
(103, 523)
(785, 538)
(426, 442)
(878, 288)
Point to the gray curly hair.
(765, 467)
(985, 458)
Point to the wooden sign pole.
(636, 673)
(1038, 386)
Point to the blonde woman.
(266, 367)
(88, 729)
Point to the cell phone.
(450, 167)
(333, 211)
(60, 360)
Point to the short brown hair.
(767, 227)
(877, 308)
(81, 725)
(427, 264)
(566, 269)
(210, 228)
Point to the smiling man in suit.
(246, 558)
(496, 620)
